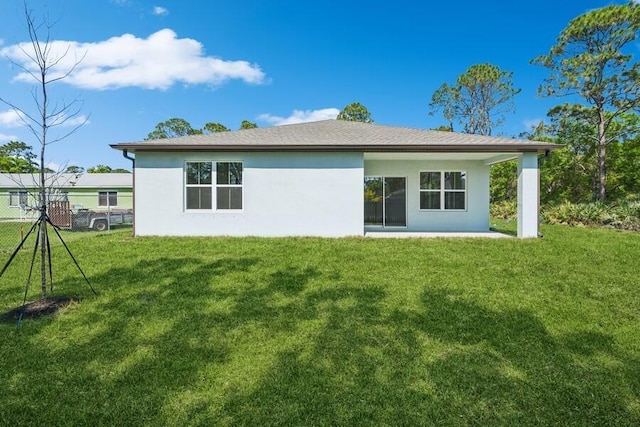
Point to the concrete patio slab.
(409, 234)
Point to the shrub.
(625, 216)
(506, 209)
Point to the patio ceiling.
(486, 158)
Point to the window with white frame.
(443, 190)
(18, 198)
(229, 185)
(199, 185)
(107, 199)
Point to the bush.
(506, 209)
(625, 216)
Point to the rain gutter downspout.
(125, 154)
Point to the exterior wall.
(8, 212)
(284, 194)
(474, 218)
(88, 198)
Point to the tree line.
(591, 65)
(176, 127)
(18, 157)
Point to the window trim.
(213, 186)
(443, 191)
(186, 185)
(19, 194)
(108, 205)
(241, 186)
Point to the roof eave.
(367, 148)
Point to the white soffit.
(487, 158)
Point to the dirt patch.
(41, 307)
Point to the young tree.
(589, 61)
(478, 100)
(42, 67)
(355, 112)
(172, 128)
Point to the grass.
(195, 331)
(12, 233)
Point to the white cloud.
(299, 116)
(157, 62)
(67, 122)
(160, 11)
(10, 119)
(7, 138)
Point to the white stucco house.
(328, 178)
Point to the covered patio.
(444, 194)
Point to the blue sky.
(270, 62)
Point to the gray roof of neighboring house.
(338, 135)
(67, 180)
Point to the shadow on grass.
(239, 341)
(145, 336)
(504, 367)
(452, 363)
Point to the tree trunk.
(42, 235)
(602, 155)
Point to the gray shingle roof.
(336, 135)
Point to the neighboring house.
(19, 193)
(329, 178)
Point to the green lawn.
(332, 332)
(12, 233)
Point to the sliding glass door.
(395, 202)
(385, 201)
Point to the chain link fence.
(76, 216)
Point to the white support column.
(528, 195)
